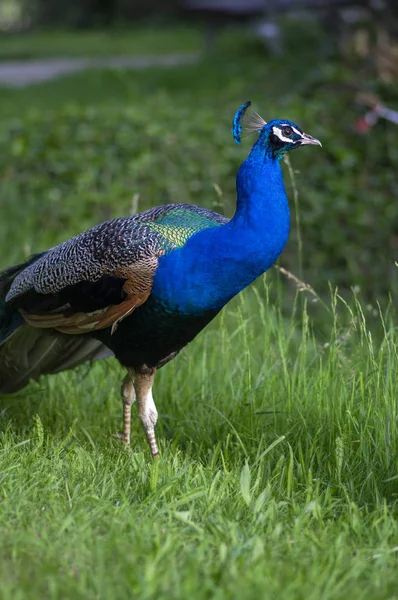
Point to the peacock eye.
(287, 131)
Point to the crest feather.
(253, 121)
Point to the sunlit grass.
(278, 473)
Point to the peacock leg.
(148, 414)
(128, 399)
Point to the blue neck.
(261, 198)
(217, 263)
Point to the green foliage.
(99, 42)
(77, 167)
(91, 142)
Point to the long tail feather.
(11, 320)
(31, 352)
(27, 352)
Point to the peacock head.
(276, 137)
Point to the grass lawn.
(99, 43)
(278, 474)
(278, 425)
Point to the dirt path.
(18, 73)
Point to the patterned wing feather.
(97, 278)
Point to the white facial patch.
(278, 132)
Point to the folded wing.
(96, 279)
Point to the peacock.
(142, 287)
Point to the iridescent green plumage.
(179, 224)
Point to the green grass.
(100, 43)
(278, 425)
(278, 475)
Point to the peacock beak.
(308, 139)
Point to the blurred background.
(110, 107)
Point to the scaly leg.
(128, 399)
(148, 414)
